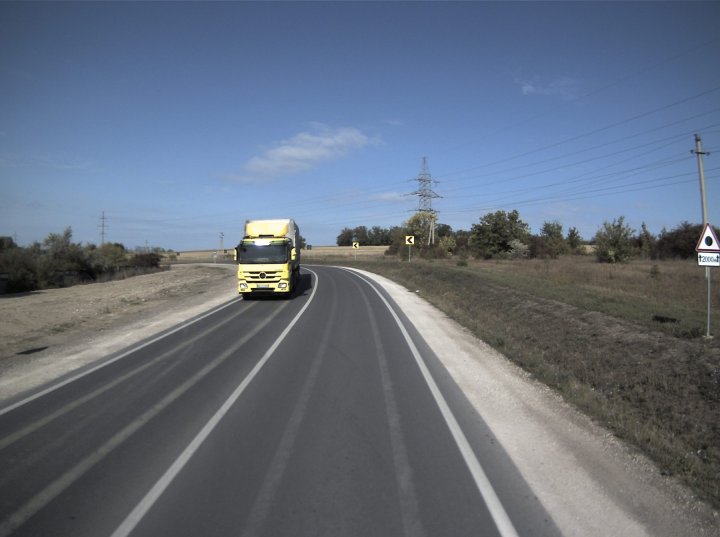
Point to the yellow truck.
(268, 257)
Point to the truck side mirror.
(235, 254)
(293, 254)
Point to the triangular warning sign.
(708, 241)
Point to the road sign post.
(708, 249)
(409, 241)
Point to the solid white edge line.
(86, 372)
(142, 508)
(493, 503)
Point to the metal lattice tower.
(425, 196)
(103, 226)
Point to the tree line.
(504, 235)
(59, 262)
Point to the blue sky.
(180, 121)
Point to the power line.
(595, 131)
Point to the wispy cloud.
(565, 87)
(304, 151)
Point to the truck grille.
(264, 276)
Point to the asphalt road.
(324, 415)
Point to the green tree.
(448, 244)
(111, 256)
(443, 230)
(614, 242)
(360, 234)
(680, 242)
(379, 236)
(573, 239)
(6, 243)
(553, 240)
(59, 256)
(646, 243)
(495, 232)
(345, 237)
(419, 226)
(461, 242)
(397, 241)
(20, 269)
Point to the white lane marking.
(33, 426)
(273, 478)
(142, 508)
(409, 506)
(59, 485)
(497, 511)
(73, 378)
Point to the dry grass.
(670, 295)
(590, 331)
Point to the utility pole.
(699, 152)
(221, 249)
(425, 196)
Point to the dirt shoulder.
(48, 333)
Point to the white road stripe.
(73, 378)
(273, 478)
(497, 511)
(35, 425)
(142, 508)
(55, 488)
(409, 506)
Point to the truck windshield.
(254, 254)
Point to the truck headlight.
(243, 286)
(282, 285)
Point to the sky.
(170, 124)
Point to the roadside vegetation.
(59, 262)
(615, 324)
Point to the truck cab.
(268, 257)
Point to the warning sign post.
(708, 249)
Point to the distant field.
(329, 252)
(316, 254)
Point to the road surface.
(322, 415)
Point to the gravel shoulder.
(46, 334)
(588, 481)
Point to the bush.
(574, 240)
(435, 251)
(680, 242)
(20, 270)
(150, 260)
(614, 242)
(493, 236)
(552, 237)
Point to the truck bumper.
(267, 279)
(245, 287)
